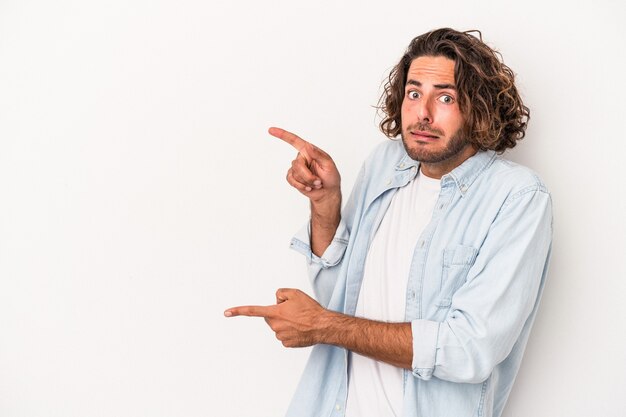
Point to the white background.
(140, 195)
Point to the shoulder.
(515, 177)
(488, 173)
(496, 180)
(509, 184)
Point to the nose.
(424, 111)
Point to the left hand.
(297, 319)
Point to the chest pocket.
(456, 263)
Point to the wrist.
(328, 201)
(326, 213)
(329, 327)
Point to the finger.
(275, 325)
(304, 148)
(279, 299)
(303, 174)
(303, 188)
(286, 293)
(294, 140)
(250, 311)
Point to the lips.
(423, 135)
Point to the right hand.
(313, 172)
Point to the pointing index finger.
(294, 140)
(250, 311)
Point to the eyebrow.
(437, 86)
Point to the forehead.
(432, 70)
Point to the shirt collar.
(464, 175)
(406, 163)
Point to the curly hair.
(495, 116)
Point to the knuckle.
(296, 171)
(299, 166)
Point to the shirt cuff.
(333, 253)
(425, 335)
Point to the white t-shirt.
(375, 388)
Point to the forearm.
(300, 321)
(386, 342)
(325, 218)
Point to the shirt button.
(463, 187)
(389, 182)
(402, 165)
(337, 407)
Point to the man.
(429, 279)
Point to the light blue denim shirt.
(474, 285)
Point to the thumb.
(284, 294)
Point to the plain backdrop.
(140, 194)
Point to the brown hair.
(495, 116)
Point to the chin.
(418, 152)
(430, 153)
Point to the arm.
(315, 175)
(487, 316)
(386, 342)
(325, 218)
(492, 312)
(300, 321)
(323, 270)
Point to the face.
(431, 118)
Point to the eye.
(446, 99)
(412, 94)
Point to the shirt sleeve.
(498, 301)
(333, 253)
(323, 271)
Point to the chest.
(425, 260)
